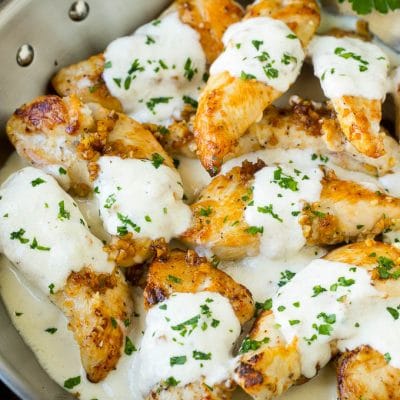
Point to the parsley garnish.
(257, 44)
(62, 171)
(285, 181)
(129, 346)
(63, 213)
(286, 276)
(110, 200)
(253, 230)
(72, 382)
(149, 40)
(393, 312)
(151, 104)
(192, 102)
(318, 290)
(18, 235)
(174, 279)
(52, 331)
(51, 288)
(198, 355)
(267, 305)
(37, 181)
(269, 210)
(36, 246)
(245, 76)
(178, 360)
(171, 381)
(363, 7)
(251, 344)
(205, 212)
(157, 160)
(189, 70)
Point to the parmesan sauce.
(188, 337)
(43, 232)
(157, 70)
(261, 48)
(142, 197)
(332, 301)
(349, 66)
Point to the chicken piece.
(85, 81)
(365, 374)
(47, 239)
(274, 367)
(360, 120)
(98, 307)
(337, 218)
(53, 132)
(218, 215)
(219, 222)
(195, 274)
(229, 105)
(208, 18)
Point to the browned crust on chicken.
(360, 119)
(271, 369)
(98, 307)
(365, 374)
(186, 272)
(210, 19)
(218, 215)
(68, 81)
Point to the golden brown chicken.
(193, 274)
(219, 222)
(99, 309)
(65, 137)
(208, 18)
(275, 365)
(229, 105)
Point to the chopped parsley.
(178, 360)
(393, 312)
(251, 344)
(149, 40)
(291, 36)
(285, 181)
(245, 76)
(387, 357)
(318, 289)
(341, 52)
(187, 327)
(257, 44)
(62, 171)
(18, 314)
(205, 212)
(123, 230)
(151, 104)
(51, 288)
(198, 355)
(157, 160)
(171, 381)
(286, 276)
(253, 230)
(107, 65)
(36, 246)
(287, 59)
(37, 181)
(129, 346)
(363, 7)
(192, 102)
(189, 70)
(267, 305)
(72, 382)
(385, 265)
(114, 323)
(52, 331)
(19, 235)
(269, 210)
(63, 213)
(110, 200)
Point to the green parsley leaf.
(52, 331)
(37, 181)
(129, 346)
(157, 160)
(178, 360)
(393, 312)
(251, 344)
(269, 210)
(72, 382)
(63, 213)
(198, 355)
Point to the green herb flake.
(51, 288)
(249, 344)
(37, 182)
(62, 212)
(177, 360)
(129, 346)
(110, 200)
(174, 279)
(52, 331)
(36, 246)
(19, 235)
(393, 312)
(253, 230)
(198, 355)
(190, 101)
(72, 382)
(269, 210)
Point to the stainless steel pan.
(55, 33)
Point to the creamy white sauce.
(279, 194)
(263, 275)
(43, 232)
(349, 66)
(330, 301)
(154, 71)
(200, 329)
(142, 197)
(261, 48)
